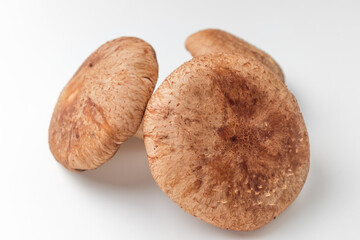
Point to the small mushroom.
(226, 141)
(103, 103)
(218, 41)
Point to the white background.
(43, 43)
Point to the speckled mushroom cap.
(218, 41)
(226, 141)
(103, 104)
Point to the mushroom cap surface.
(218, 41)
(226, 141)
(103, 103)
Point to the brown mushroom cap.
(226, 141)
(103, 104)
(218, 41)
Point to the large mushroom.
(218, 41)
(226, 141)
(103, 104)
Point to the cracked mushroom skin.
(226, 141)
(218, 41)
(103, 103)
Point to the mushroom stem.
(140, 133)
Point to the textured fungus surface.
(103, 104)
(226, 141)
(218, 41)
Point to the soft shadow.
(311, 197)
(128, 168)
